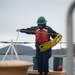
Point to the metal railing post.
(70, 68)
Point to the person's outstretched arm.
(31, 30)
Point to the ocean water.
(30, 59)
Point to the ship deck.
(35, 72)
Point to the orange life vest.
(42, 36)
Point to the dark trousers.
(43, 60)
(43, 64)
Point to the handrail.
(70, 68)
(27, 42)
(16, 42)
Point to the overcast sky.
(16, 14)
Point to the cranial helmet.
(41, 20)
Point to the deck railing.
(70, 68)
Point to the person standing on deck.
(41, 37)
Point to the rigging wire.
(60, 53)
